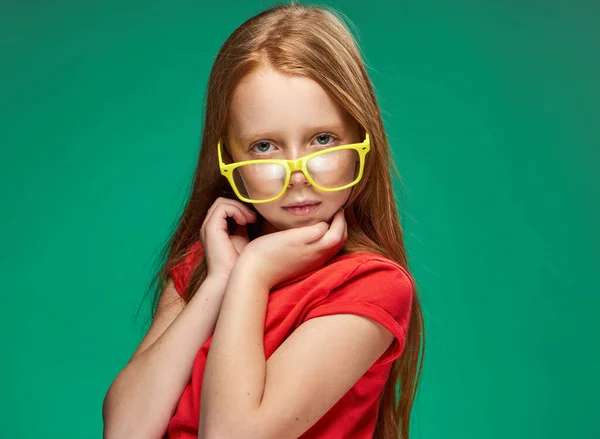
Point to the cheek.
(332, 201)
(337, 198)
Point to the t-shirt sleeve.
(378, 289)
(182, 272)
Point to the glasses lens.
(259, 181)
(334, 169)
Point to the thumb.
(314, 232)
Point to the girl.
(286, 309)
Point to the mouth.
(302, 208)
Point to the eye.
(324, 139)
(261, 147)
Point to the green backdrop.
(492, 112)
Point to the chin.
(305, 222)
(294, 223)
(279, 220)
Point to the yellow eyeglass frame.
(300, 164)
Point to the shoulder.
(372, 264)
(369, 285)
(375, 274)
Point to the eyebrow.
(336, 128)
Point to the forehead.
(268, 102)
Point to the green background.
(492, 112)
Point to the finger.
(336, 232)
(313, 233)
(213, 206)
(245, 209)
(248, 213)
(218, 218)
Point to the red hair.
(314, 42)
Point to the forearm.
(234, 377)
(141, 400)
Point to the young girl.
(286, 309)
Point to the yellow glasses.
(332, 169)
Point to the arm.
(143, 397)
(246, 396)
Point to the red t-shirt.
(361, 283)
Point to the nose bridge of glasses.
(295, 165)
(298, 175)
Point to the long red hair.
(315, 42)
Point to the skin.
(243, 392)
(287, 117)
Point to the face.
(279, 116)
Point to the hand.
(221, 250)
(279, 256)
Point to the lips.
(302, 203)
(302, 208)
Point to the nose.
(297, 179)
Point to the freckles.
(338, 198)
